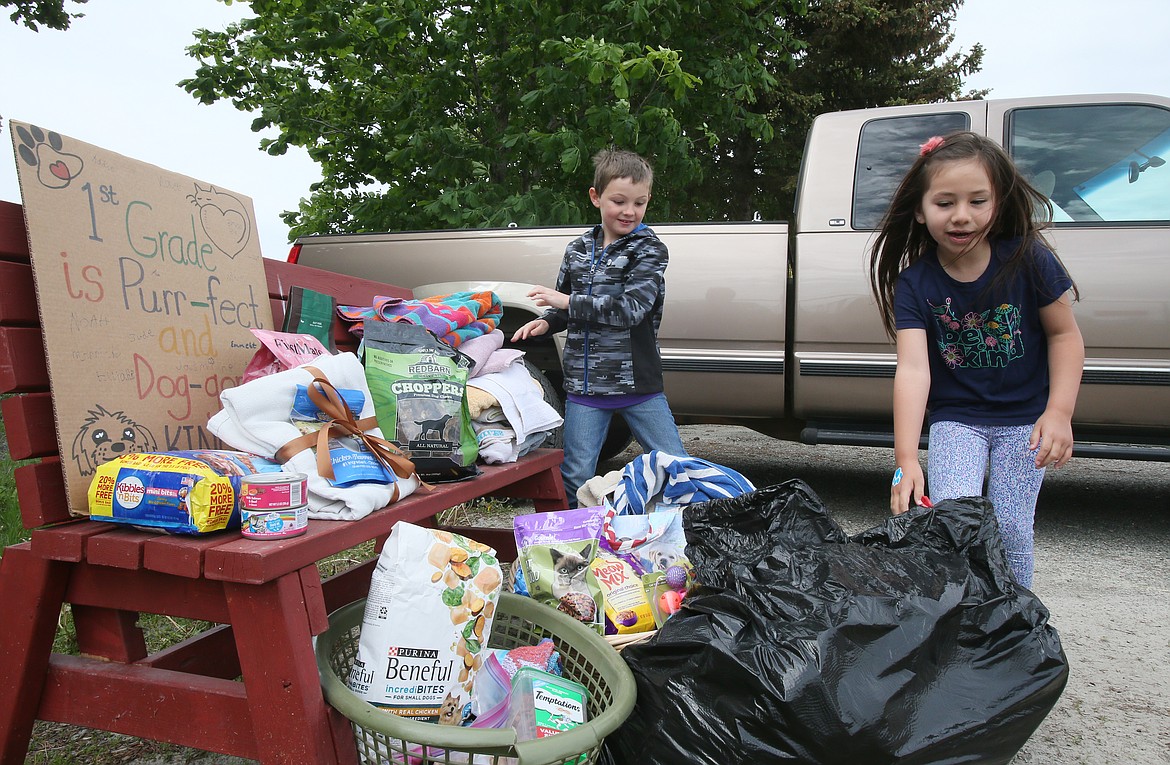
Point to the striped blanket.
(680, 480)
(452, 318)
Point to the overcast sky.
(110, 81)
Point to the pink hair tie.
(930, 145)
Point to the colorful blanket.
(453, 318)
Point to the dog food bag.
(421, 403)
(182, 492)
(651, 542)
(426, 624)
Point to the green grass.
(11, 529)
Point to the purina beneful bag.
(432, 598)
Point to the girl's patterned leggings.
(959, 457)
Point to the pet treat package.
(280, 351)
(311, 313)
(183, 492)
(352, 462)
(545, 705)
(420, 399)
(427, 620)
(650, 542)
(555, 552)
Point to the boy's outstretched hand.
(548, 297)
(531, 329)
(545, 297)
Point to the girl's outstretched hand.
(909, 486)
(1052, 440)
(531, 329)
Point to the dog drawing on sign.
(105, 435)
(432, 426)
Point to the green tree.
(35, 13)
(427, 113)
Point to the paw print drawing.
(56, 169)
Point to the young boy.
(609, 297)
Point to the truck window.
(885, 152)
(1097, 163)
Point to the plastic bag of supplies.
(906, 643)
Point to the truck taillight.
(294, 254)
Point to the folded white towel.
(255, 418)
(497, 444)
(521, 398)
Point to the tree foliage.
(431, 113)
(36, 13)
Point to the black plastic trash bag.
(909, 643)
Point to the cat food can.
(274, 524)
(273, 491)
(274, 505)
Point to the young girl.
(609, 296)
(987, 342)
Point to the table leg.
(273, 638)
(31, 591)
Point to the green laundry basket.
(383, 737)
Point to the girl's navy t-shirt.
(988, 351)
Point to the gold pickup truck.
(772, 325)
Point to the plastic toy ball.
(676, 578)
(670, 602)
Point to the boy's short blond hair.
(611, 163)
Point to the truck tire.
(555, 439)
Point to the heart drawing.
(224, 219)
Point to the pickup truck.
(772, 325)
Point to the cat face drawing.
(569, 571)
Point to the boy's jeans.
(586, 427)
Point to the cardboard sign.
(149, 283)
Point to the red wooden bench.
(266, 597)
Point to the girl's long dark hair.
(902, 240)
